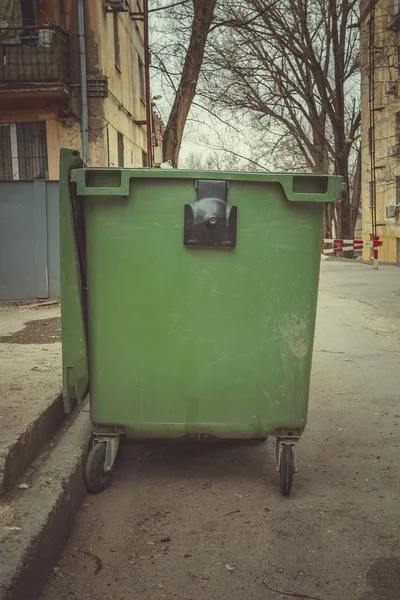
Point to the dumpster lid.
(298, 187)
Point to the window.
(144, 159)
(6, 167)
(120, 142)
(397, 129)
(394, 18)
(371, 194)
(117, 52)
(23, 151)
(139, 29)
(398, 190)
(370, 140)
(142, 86)
(371, 44)
(28, 12)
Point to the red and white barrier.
(341, 245)
(344, 245)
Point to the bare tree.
(192, 21)
(172, 30)
(293, 67)
(215, 161)
(193, 161)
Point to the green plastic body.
(195, 341)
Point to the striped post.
(375, 247)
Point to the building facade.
(41, 102)
(380, 135)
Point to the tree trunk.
(202, 20)
(345, 224)
(356, 196)
(328, 221)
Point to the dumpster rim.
(334, 187)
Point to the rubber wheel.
(286, 470)
(96, 478)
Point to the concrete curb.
(41, 517)
(15, 459)
(359, 261)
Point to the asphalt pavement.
(192, 520)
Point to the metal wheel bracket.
(112, 445)
(280, 444)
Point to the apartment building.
(73, 73)
(380, 136)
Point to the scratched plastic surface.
(199, 341)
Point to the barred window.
(23, 150)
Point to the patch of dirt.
(383, 578)
(43, 331)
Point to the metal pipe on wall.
(82, 64)
(147, 82)
(108, 145)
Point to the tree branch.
(153, 10)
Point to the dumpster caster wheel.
(96, 478)
(286, 470)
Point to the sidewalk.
(41, 475)
(30, 385)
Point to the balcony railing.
(33, 57)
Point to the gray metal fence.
(29, 240)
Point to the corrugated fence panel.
(29, 240)
(53, 239)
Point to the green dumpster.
(188, 303)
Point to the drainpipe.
(147, 82)
(82, 64)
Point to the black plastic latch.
(210, 222)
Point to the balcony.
(33, 63)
